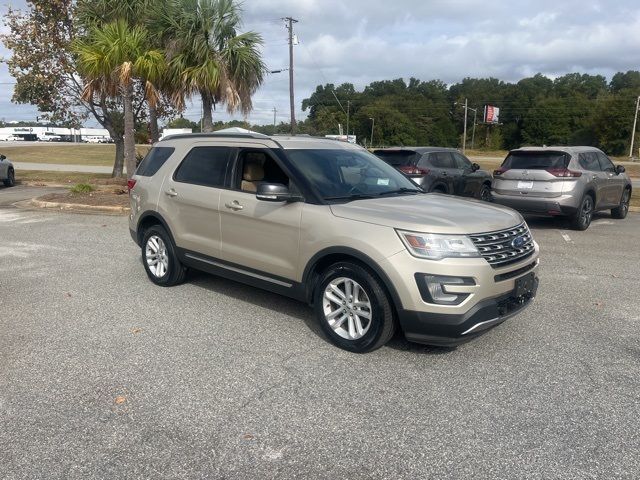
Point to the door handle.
(444, 174)
(171, 193)
(234, 205)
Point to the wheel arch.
(327, 257)
(148, 219)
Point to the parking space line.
(566, 237)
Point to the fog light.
(433, 288)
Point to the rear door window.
(154, 160)
(400, 158)
(589, 161)
(442, 160)
(536, 160)
(205, 166)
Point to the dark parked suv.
(441, 170)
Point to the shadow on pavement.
(272, 301)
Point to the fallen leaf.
(67, 295)
(247, 436)
(136, 330)
(120, 399)
(598, 304)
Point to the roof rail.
(215, 135)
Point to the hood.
(430, 213)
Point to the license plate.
(525, 185)
(525, 285)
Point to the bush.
(82, 188)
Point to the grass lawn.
(69, 154)
(64, 178)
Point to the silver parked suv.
(569, 181)
(330, 224)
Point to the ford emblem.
(518, 242)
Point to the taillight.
(130, 184)
(499, 171)
(564, 172)
(412, 170)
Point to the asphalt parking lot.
(103, 375)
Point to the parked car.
(562, 181)
(10, 138)
(332, 225)
(441, 170)
(7, 173)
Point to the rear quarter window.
(154, 160)
(536, 160)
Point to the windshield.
(343, 174)
(536, 160)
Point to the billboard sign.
(491, 114)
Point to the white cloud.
(362, 40)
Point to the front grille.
(498, 247)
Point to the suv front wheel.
(353, 309)
(159, 258)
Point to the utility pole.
(373, 122)
(635, 123)
(348, 111)
(274, 119)
(290, 21)
(473, 132)
(464, 137)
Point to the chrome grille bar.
(498, 247)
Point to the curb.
(78, 207)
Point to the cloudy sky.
(360, 41)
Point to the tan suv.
(330, 224)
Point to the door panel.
(615, 183)
(445, 169)
(190, 199)
(469, 182)
(260, 235)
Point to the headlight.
(436, 247)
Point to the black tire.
(582, 218)
(175, 272)
(438, 189)
(485, 193)
(381, 325)
(621, 210)
(11, 179)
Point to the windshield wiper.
(401, 190)
(353, 196)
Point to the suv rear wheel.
(582, 218)
(159, 258)
(621, 210)
(11, 179)
(353, 309)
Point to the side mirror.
(2, 157)
(275, 192)
(475, 167)
(619, 169)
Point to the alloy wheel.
(156, 256)
(587, 211)
(347, 308)
(624, 205)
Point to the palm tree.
(207, 56)
(111, 58)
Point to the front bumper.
(454, 329)
(563, 205)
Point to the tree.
(42, 62)
(207, 55)
(110, 59)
